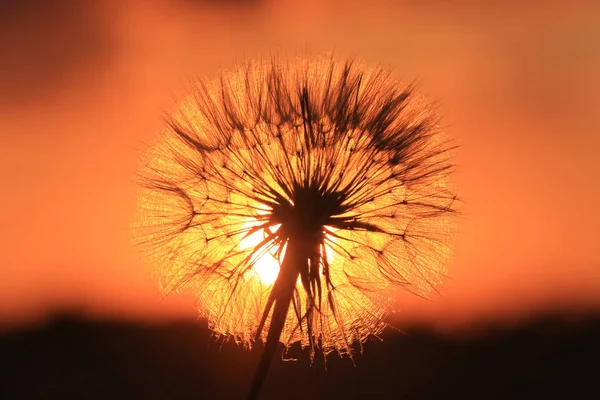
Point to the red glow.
(518, 91)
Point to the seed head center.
(309, 210)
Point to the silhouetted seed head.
(337, 156)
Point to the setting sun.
(266, 265)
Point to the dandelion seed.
(293, 198)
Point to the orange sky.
(83, 88)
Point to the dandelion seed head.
(335, 155)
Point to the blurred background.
(85, 85)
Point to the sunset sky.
(85, 85)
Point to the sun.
(267, 269)
(266, 265)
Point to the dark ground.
(71, 358)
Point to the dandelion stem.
(282, 292)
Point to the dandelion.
(294, 198)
